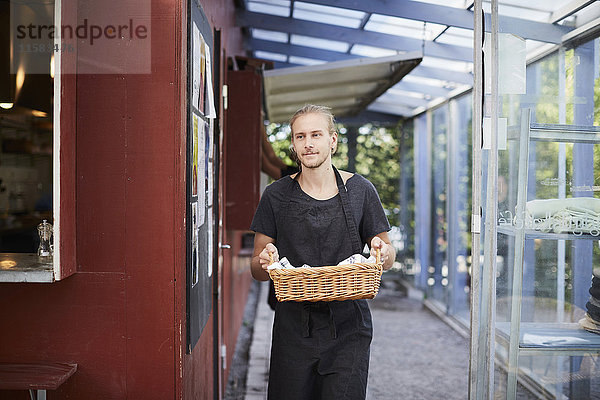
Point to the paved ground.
(414, 354)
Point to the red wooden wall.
(121, 316)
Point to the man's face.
(312, 140)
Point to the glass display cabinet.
(548, 227)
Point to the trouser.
(320, 350)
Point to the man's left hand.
(386, 252)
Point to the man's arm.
(263, 245)
(388, 252)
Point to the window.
(30, 147)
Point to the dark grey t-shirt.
(364, 204)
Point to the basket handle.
(271, 257)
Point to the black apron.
(320, 350)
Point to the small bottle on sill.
(45, 247)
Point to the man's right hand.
(263, 245)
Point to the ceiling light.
(6, 106)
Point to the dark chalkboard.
(200, 232)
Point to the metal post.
(490, 239)
(561, 245)
(517, 287)
(487, 320)
(475, 372)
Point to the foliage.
(377, 159)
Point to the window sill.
(25, 267)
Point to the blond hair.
(317, 109)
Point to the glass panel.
(370, 51)
(326, 44)
(461, 176)
(423, 214)
(438, 270)
(448, 3)
(403, 27)
(405, 245)
(455, 40)
(267, 55)
(520, 11)
(448, 64)
(317, 8)
(26, 134)
(305, 61)
(279, 8)
(270, 35)
(328, 15)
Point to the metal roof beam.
(327, 55)
(458, 17)
(569, 10)
(354, 36)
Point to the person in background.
(319, 216)
(270, 163)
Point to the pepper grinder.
(45, 232)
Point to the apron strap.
(290, 191)
(350, 223)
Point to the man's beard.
(314, 164)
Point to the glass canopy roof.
(313, 32)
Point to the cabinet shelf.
(510, 230)
(558, 133)
(552, 339)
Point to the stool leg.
(31, 395)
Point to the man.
(319, 216)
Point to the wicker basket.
(340, 282)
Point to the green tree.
(378, 160)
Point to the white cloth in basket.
(353, 259)
(281, 264)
